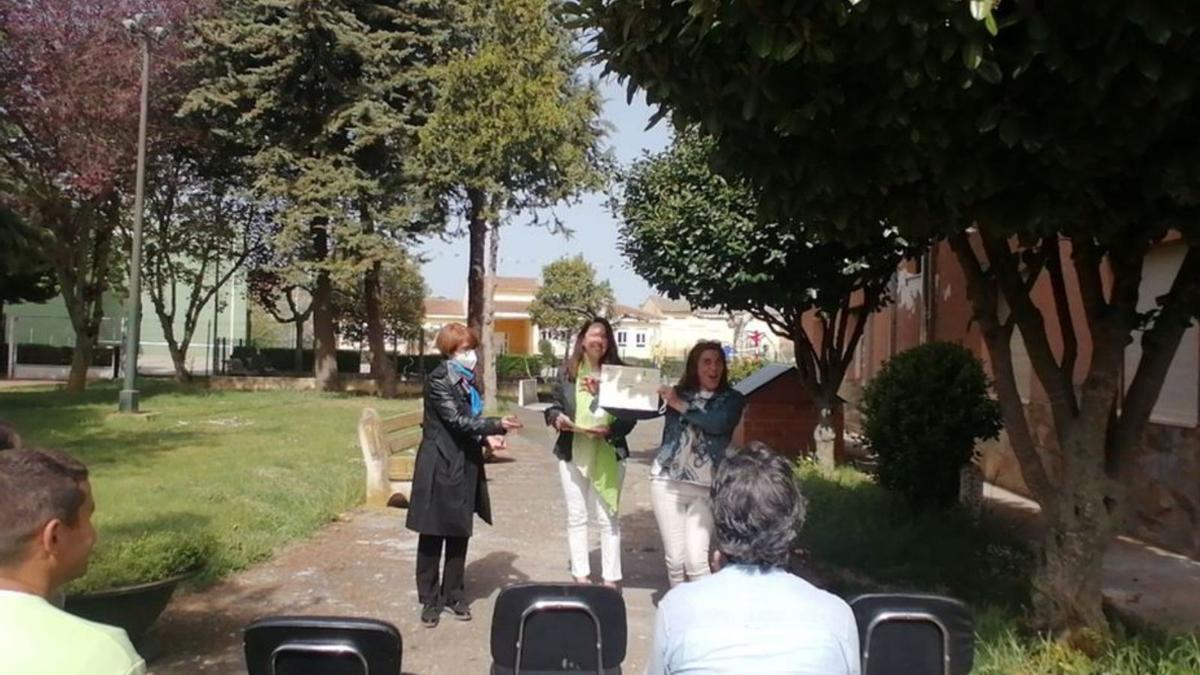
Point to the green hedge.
(508, 366)
(672, 368)
(49, 355)
(283, 359)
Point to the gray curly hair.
(757, 507)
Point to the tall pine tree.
(515, 128)
(323, 99)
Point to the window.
(622, 338)
(1179, 401)
(640, 339)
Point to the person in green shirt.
(46, 537)
(591, 451)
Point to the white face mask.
(467, 359)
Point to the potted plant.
(130, 581)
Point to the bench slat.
(390, 425)
(400, 467)
(408, 440)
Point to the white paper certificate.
(627, 388)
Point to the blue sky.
(525, 249)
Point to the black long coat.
(449, 484)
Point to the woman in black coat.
(449, 485)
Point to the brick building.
(932, 304)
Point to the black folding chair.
(322, 645)
(539, 629)
(914, 634)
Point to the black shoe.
(430, 615)
(460, 610)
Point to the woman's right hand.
(563, 423)
(592, 384)
(511, 422)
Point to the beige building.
(679, 327)
(515, 330)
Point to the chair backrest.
(554, 628)
(320, 645)
(914, 634)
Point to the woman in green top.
(591, 450)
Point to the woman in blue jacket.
(702, 412)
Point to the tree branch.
(1059, 389)
(1086, 259)
(998, 338)
(1052, 254)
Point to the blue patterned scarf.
(472, 392)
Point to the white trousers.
(585, 504)
(684, 515)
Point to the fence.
(39, 347)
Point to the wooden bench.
(389, 447)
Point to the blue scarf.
(472, 392)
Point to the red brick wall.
(1166, 496)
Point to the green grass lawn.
(253, 470)
(861, 538)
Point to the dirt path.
(363, 566)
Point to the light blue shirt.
(744, 620)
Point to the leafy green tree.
(569, 296)
(199, 232)
(402, 302)
(324, 99)
(514, 129)
(695, 234)
(1047, 143)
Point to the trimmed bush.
(741, 368)
(518, 366)
(283, 359)
(671, 368)
(140, 560)
(49, 355)
(922, 415)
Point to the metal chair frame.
(324, 649)
(908, 616)
(559, 606)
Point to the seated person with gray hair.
(753, 616)
(46, 537)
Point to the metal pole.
(12, 347)
(129, 395)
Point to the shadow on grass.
(860, 538)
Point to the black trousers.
(429, 558)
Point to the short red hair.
(453, 337)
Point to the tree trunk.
(324, 333)
(1073, 492)
(476, 260)
(382, 368)
(179, 361)
(1067, 594)
(81, 360)
(177, 350)
(825, 435)
(488, 358)
(298, 355)
(421, 354)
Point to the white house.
(680, 327)
(638, 332)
